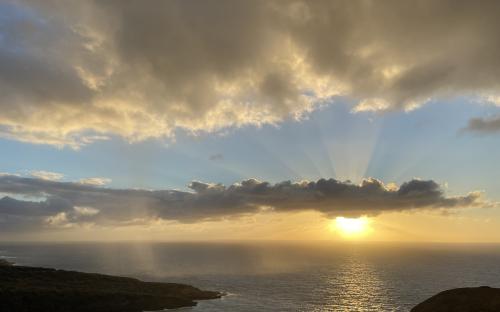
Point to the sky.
(223, 120)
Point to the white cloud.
(95, 181)
(47, 175)
(492, 99)
(96, 83)
(139, 69)
(58, 220)
(85, 211)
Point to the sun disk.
(351, 226)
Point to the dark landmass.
(49, 290)
(478, 299)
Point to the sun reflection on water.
(355, 286)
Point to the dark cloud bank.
(73, 71)
(66, 204)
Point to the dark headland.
(43, 290)
(478, 299)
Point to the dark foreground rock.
(43, 290)
(479, 299)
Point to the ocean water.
(283, 276)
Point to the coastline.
(43, 289)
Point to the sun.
(351, 227)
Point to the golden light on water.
(351, 227)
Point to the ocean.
(283, 276)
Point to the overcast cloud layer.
(73, 72)
(44, 203)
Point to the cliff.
(43, 290)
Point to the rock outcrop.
(478, 299)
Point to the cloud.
(66, 204)
(95, 181)
(216, 157)
(72, 73)
(484, 125)
(46, 175)
(68, 219)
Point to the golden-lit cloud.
(42, 203)
(73, 72)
